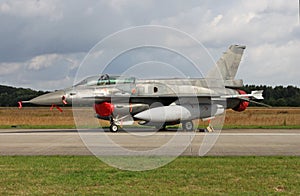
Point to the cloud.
(216, 20)
(42, 61)
(35, 28)
(43, 41)
(48, 72)
(243, 21)
(32, 9)
(9, 68)
(268, 28)
(272, 61)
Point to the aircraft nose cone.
(49, 98)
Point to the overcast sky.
(43, 42)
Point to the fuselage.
(111, 95)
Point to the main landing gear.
(188, 125)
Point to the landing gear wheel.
(114, 128)
(188, 125)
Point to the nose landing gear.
(113, 127)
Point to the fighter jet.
(159, 102)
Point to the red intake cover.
(243, 104)
(104, 109)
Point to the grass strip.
(86, 175)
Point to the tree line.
(277, 96)
(273, 96)
(10, 96)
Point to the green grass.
(86, 175)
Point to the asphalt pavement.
(232, 142)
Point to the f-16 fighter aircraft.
(159, 102)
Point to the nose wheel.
(114, 128)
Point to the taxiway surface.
(235, 142)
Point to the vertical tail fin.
(228, 64)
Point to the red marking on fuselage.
(104, 109)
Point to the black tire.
(188, 126)
(114, 128)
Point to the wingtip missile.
(257, 94)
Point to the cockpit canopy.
(105, 79)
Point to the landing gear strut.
(113, 127)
